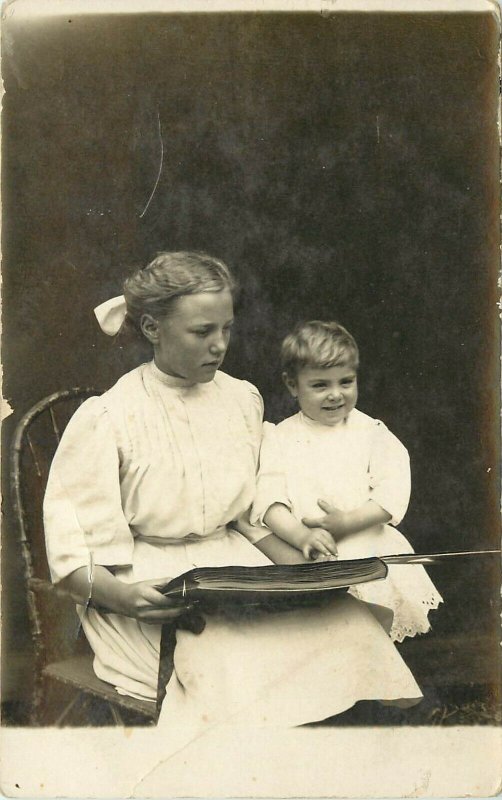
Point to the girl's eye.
(201, 333)
(318, 386)
(348, 382)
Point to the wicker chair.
(65, 686)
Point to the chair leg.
(61, 702)
(38, 697)
(41, 707)
(117, 717)
(69, 706)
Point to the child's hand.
(342, 523)
(333, 520)
(318, 542)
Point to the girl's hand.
(144, 602)
(333, 520)
(141, 600)
(318, 542)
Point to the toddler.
(333, 480)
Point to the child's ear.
(290, 384)
(150, 328)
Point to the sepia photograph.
(251, 399)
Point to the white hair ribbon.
(111, 315)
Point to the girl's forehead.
(203, 305)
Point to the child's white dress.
(302, 461)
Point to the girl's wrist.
(116, 599)
(126, 596)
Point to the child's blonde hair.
(320, 345)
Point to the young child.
(333, 480)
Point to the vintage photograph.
(251, 379)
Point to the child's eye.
(201, 333)
(348, 382)
(318, 386)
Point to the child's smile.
(327, 394)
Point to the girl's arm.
(343, 523)
(140, 600)
(281, 521)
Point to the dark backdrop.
(346, 167)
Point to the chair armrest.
(40, 586)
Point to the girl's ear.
(150, 328)
(290, 383)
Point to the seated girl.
(150, 480)
(334, 457)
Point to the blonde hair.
(318, 344)
(155, 288)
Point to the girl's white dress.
(147, 479)
(302, 461)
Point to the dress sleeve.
(253, 412)
(390, 480)
(83, 518)
(271, 486)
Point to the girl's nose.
(218, 345)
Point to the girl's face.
(192, 341)
(327, 394)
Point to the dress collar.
(170, 380)
(312, 424)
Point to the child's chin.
(332, 419)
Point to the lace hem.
(409, 619)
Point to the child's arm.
(281, 521)
(343, 523)
(389, 484)
(280, 552)
(277, 550)
(389, 473)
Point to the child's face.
(326, 395)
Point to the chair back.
(53, 619)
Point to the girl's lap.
(290, 666)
